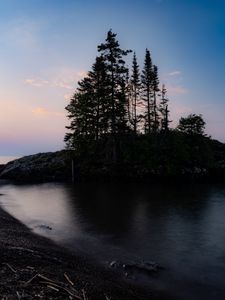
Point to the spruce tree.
(164, 110)
(88, 107)
(155, 90)
(80, 127)
(116, 70)
(147, 83)
(99, 81)
(129, 98)
(135, 84)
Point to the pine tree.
(147, 83)
(99, 81)
(79, 112)
(116, 70)
(88, 107)
(164, 110)
(155, 90)
(135, 85)
(129, 98)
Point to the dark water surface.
(182, 227)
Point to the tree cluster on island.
(120, 129)
(120, 116)
(110, 101)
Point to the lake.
(181, 227)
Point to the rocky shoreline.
(48, 166)
(66, 165)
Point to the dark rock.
(137, 268)
(39, 167)
(1, 167)
(43, 226)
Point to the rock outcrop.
(1, 167)
(39, 167)
(179, 158)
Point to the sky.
(46, 46)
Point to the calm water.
(180, 227)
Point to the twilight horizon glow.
(47, 46)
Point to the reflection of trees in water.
(113, 208)
(179, 226)
(105, 208)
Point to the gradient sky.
(47, 45)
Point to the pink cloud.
(44, 111)
(65, 79)
(36, 82)
(41, 82)
(63, 84)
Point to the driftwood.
(10, 267)
(52, 287)
(30, 280)
(18, 295)
(57, 286)
(68, 279)
(62, 289)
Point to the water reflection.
(105, 209)
(182, 227)
(42, 207)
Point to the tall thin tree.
(115, 64)
(146, 79)
(155, 90)
(135, 84)
(164, 110)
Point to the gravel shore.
(33, 267)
